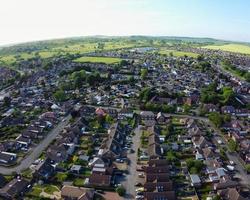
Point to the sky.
(30, 20)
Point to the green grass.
(36, 191)
(79, 182)
(50, 189)
(235, 48)
(178, 53)
(105, 60)
(60, 176)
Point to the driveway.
(131, 177)
(36, 151)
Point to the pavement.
(131, 178)
(37, 150)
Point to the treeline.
(240, 72)
(222, 96)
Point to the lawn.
(50, 189)
(79, 182)
(236, 48)
(106, 60)
(38, 189)
(178, 53)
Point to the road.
(131, 177)
(235, 157)
(36, 151)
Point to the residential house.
(125, 113)
(230, 194)
(147, 115)
(112, 146)
(195, 180)
(76, 193)
(7, 158)
(15, 188)
(44, 170)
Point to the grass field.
(178, 53)
(236, 48)
(105, 60)
(84, 47)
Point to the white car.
(139, 197)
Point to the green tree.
(144, 74)
(232, 145)
(247, 167)
(60, 95)
(216, 119)
(121, 191)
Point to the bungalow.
(76, 193)
(230, 194)
(209, 153)
(99, 180)
(44, 170)
(195, 180)
(125, 113)
(23, 142)
(57, 153)
(2, 181)
(162, 118)
(7, 158)
(15, 188)
(225, 184)
(200, 142)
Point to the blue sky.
(29, 20)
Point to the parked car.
(138, 184)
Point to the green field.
(235, 48)
(106, 60)
(178, 53)
(82, 47)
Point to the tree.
(121, 191)
(232, 145)
(194, 166)
(217, 197)
(6, 101)
(144, 73)
(200, 58)
(60, 95)
(91, 79)
(247, 76)
(74, 113)
(109, 119)
(123, 63)
(216, 119)
(247, 167)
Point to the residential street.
(240, 170)
(131, 177)
(29, 159)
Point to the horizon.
(32, 21)
(122, 36)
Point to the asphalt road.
(36, 151)
(131, 177)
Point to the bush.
(121, 191)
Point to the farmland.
(105, 60)
(235, 48)
(78, 48)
